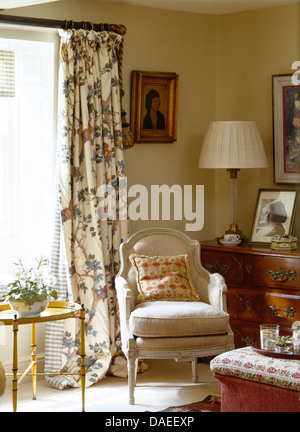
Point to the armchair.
(164, 329)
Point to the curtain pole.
(65, 24)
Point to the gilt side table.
(55, 311)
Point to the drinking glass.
(268, 332)
(296, 338)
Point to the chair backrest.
(161, 242)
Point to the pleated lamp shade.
(232, 144)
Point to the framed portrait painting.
(154, 99)
(274, 214)
(286, 130)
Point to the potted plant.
(31, 291)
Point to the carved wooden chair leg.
(132, 370)
(195, 369)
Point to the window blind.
(7, 73)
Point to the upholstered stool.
(252, 382)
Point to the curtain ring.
(91, 24)
(66, 25)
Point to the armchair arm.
(125, 300)
(217, 289)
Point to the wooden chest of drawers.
(263, 287)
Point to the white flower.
(40, 276)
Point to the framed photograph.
(286, 130)
(154, 107)
(274, 214)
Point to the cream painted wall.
(253, 46)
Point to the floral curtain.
(88, 234)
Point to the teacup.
(231, 237)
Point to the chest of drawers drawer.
(263, 306)
(282, 273)
(231, 266)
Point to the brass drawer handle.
(249, 268)
(282, 275)
(248, 340)
(289, 312)
(249, 305)
(217, 268)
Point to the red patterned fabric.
(247, 364)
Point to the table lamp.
(233, 145)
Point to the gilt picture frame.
(154, 103)
(274, 214)
(286, 130)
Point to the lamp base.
(233, 229)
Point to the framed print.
(286, 130)
(274, 214)
(154, 107)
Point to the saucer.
(230, 243)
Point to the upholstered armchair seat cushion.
(177, 319)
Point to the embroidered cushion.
(246, 364)
(163, 278)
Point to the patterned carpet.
(209, 404)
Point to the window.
(28, 74)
